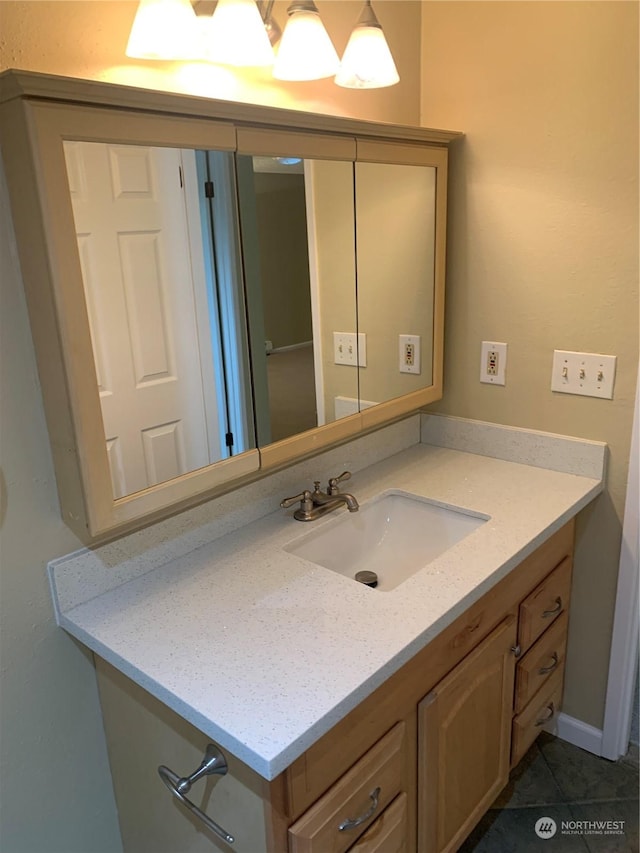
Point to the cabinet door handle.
(556, 609)
(214, 764)
(551, 709)
(554, 663)
(352, 823)
(517, 650)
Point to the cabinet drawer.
(388, 834)
(544, 658)
(359, 797)
(528, 725)
(544, 604)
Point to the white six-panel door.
(134, 250)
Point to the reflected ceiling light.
(306, 51)
(237, 35)
(164, 29)
(367, 62)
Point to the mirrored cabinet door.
(400, 215)
(297, 223)
(395, 227)
(164, 297)
(155, 401)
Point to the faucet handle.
(333, 482)
(303, 497)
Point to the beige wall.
(55, 787)
(543, 245)
(56, 794)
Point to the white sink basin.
(394, 535)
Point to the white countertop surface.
(264, 652)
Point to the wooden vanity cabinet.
(464, 729)
(412, 768)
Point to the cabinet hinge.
(229, 439)
(208, 189)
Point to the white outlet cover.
(498, 378)
(584, 373)
(403, 341)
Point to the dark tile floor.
(559, 781)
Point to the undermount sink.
(394, 535)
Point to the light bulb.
(237, 36)
(164, 29)
(367, 62)
(306, 51)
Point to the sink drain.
(367, 578)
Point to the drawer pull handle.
(551, 709)
(554, 663)
(213, 764)
(556, 609)
(351, 824)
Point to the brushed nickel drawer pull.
(556, 609)
(517, 650)
(554, 663)
(213, 764)
(543, 720)
(351, 824)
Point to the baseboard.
(577, 733)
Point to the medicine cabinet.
(215, 289)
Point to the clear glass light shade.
(367, 62)
(237, 36)
(306, 52)
(164, 29)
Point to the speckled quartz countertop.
(264, 652)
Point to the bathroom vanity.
(350, 718)
(395, 714)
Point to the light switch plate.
(347, 351)
(584, 373)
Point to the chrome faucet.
(317, 503)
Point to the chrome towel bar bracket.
(213, 764)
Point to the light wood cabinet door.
(464, 728)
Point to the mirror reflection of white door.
(142, 292)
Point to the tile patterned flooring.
(565, 783)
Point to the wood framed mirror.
(172, 260)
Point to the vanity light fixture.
(367, 62)
(164, 29)
(306, 52)
(242, 32)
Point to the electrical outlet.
(409, 354)
(349, 349)
(584, 373)
(493, 362)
